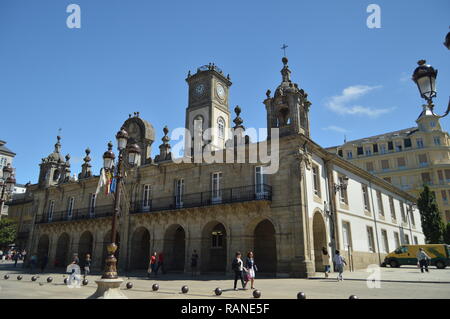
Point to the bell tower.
(208, 106)
(288, 109)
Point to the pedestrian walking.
(44, 262)
(160, 263)
(87, 265)
(250, 269)
(422, 260)
(326, 261)
(16, 258)
(75, 259)
(194, 262)
(1, 255)
(238, 267)
(339, 262)
(152, 265)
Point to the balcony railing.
(224, 196)
(77, 214)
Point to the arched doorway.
(106, 242)
(140, 249)
(42, 248)
(174, 248)
(62, 251)
(320, 240)
(85, 246)
(214, 247)
(265, 250)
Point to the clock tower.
(208, 105)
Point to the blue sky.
(134, 56)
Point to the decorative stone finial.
(268, 92)
(285, 61)
(164, 148)
(421, 62)
(238, 120)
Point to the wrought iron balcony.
(208, 198)
(77, 214)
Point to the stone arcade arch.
(174, 248)
(106, 242)
(62, 251)
(265, 250)
(43, 247)
(85, 246)
(214, 247)
(140, 249)
(319, 239)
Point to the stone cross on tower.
(284, 47)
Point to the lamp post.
(7, 185)
(109, 285)
(425, 78)
(447, 41)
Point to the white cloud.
(335, 129)
(340, 103)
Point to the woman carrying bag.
(250, 269)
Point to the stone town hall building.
(219, 208)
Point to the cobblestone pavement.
(395, 283)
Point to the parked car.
(407, 255)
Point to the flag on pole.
(108, 183)
(101, 181)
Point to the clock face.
(220, 91)
(200, 89)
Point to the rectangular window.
(369, 167)
(316, 180)
(384, 164)
(146, 198)
(215, 187)
(359, 150)
(437, 140)
(392, 207)
(447, 175)
(407, 239)
(346, 235)
(51, 208)
(401, 162)
(340, 153)
(398, 147)
(402, 212)
(407, 142)
(370, 239)
(416, 241)
(349, 154)
(92, 200)
(444, 197)
(419, 143)
(179, 192)
(397, 240)
(383, 149)
(70, 207)
(260, 182)
(385, 241)
(368, 151)
(426, 178)
(440, 177)
(342, 191)
(380, 204)
(390, 146)
(411, 214)
(366, 198)
(375, 148)
(423, 161)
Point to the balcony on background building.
(225, 196)
(77, 214)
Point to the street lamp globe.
(447, 41)
(7, 171)
(108, 157)
(425, 78)
(122, 139)
(134, 154)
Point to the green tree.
(432, 224)
(447, 234)
(7, 232)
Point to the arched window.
(221, 127)
(56, 175)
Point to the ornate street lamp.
(134, 154)
(425, 78)
(109, 285)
